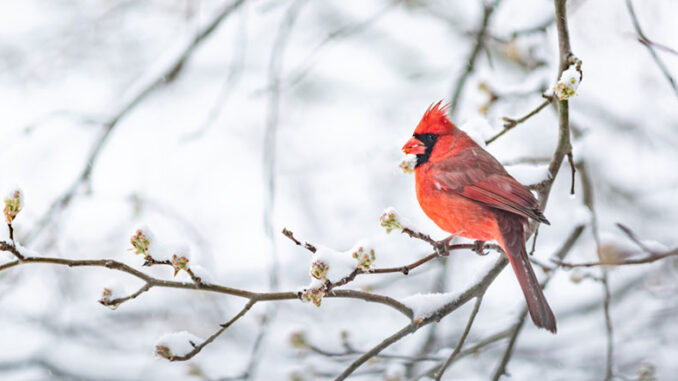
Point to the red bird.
(468, 193)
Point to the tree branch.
(462, 339)
(652, 256)
(511, 123)
(216, 334)
(156, 282)
(475, 290)
(139, 92)
(471, 61)
(650, 47)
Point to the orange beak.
(414, 146)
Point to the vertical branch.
(408, 329)
(589, 202)
(269, 161)
(462, 339)
(515, 330)
(564, 145)
(271, 132)
(471, 61)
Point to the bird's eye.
(428, 139)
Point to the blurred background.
(216, 123)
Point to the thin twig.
(650, 47)
(407, 268)
(139, 93)
(216, 334)
(589, 201)
(271, 131)
(462, 339)
(570, 159)
(471, 61)
(301, 72)
(352, 352)
(472, 350)
(511, 123)
(289, 234)
(645, 41)
(652, 256)
(539, 28)
(609, 358)
(506, 357)
(114, 303)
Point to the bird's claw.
(479, 247)
(442, 247)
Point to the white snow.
(423, 305)
(199, 271)
(567, 84)
(165, 252)
(113, 290)
(161, 251)
(178, 343)
(581, 215)
(391, 219)
(395, 371)
(528, 174)
(340, 263)
(26, 252)
(314, 284)
(478, 129)
(407, 163)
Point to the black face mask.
(429, 140)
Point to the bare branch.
(140, 91)
(652, 256)
(476, 289)
(156, 282)
(570, 159)
(650, 47)
(289, 234)
(564, 145)
(271, 131)
(302, 71)
(462, 339)
(114, 303)
(471, 61)
(609, 363)
(511, 123)
(216, 334)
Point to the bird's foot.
(442, 247)
(479, 247)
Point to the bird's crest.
(435, 120)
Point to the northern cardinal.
(468, 193)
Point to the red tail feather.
(539, 309)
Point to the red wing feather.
(478, 176)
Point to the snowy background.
(292, 114)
